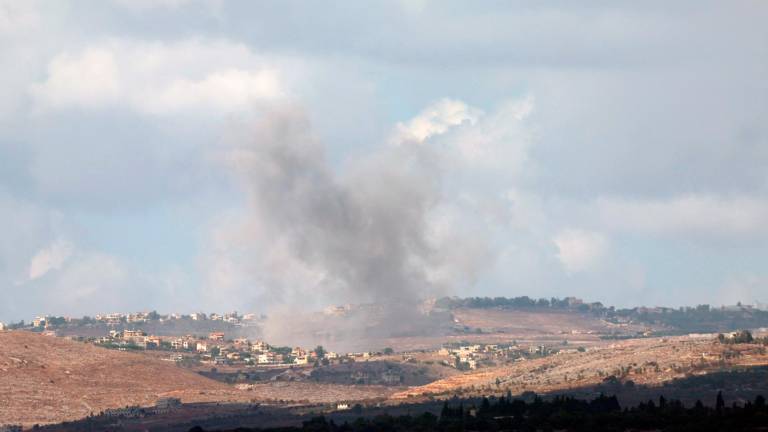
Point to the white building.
(268, 358)
(260, 346)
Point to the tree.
(388, 351)
(719, 403)
(760, 401)
(485, 406)
(743, 336)
(320, 351)
(357, 409)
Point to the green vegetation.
(320, 351)
(742, 337)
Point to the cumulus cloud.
(497, 141)
(159, 78)
(50, 258)
(437, 119)
(580, 250)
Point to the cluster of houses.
(471, 356)
(120, 318)
(216, 349)
(143, 317)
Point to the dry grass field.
(651, 361)
(46, 379)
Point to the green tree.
(320, 351)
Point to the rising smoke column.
(359, 233)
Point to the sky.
(186, 155)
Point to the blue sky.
(187, 155)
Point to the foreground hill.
(651, 361)
(46, 379)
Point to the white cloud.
(159, 78)
(580, 250)
(92, 276)
(87, 79)
(436, 119)
(50, 258)
(18, 17)
(705, 215)
(499, 140)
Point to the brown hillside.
(46, 379)
(651, 361)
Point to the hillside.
(46, 379)
(651, 361)
(537, 322)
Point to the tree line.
(560, 413)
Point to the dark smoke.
(362, 233)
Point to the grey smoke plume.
(360, 233)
